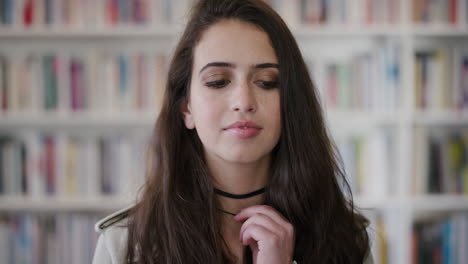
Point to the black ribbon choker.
(239, 196)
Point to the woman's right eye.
(217, 83)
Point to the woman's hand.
(270, 236)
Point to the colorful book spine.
(367, 178)
(78, 14)
(440, 240)
(365, 82)
(441, 79)
(447, 161)
(58, 165)
(3, 84)
(123, 82)
(43, 239)
(437, 12)
(464, 80)
(341, 12)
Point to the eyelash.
(268, 84)
(218, 83)
(263, 84)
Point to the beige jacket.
(112, 242)
(111, 247)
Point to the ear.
(187, 113)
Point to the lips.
(244, 129)
(244, 124)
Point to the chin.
(244, 157)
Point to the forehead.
(236, 42)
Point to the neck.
(238, 178)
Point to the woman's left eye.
(267, 84)
(217, 83)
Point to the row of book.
(441, 79)
(47, 239)
(92, 82)
(86, 14)
(367, 160)
(70, 238)
(441, 240)
(63, 165)
(371, 12)
(340, 12)
(440, 11)
(133, 81)
(441, 161)
(369, 81)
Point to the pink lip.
(244, 129)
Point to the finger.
(258, 233)
(266, 222)
(272, 213)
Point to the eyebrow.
(231, 65)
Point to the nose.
(244, 99)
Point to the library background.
(80, 88)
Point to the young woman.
(243, 170)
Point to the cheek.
(275, 109)
(278, 119)
(207, 116)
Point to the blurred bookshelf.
(81, 84)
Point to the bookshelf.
(350, 49)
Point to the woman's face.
(235, 79)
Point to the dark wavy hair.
(176, 221)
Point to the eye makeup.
(267, 79)
(267, 84)
(216, 79)
(219, 77)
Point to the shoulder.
(113, 220)
(113, 234)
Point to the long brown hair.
(176, 220)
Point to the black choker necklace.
(226, 212)
(239, 196)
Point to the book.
(441, 79)
(368, 179)
(366, 81)
(437, 12)
(74, 82)
(341, 12)
(91, 15)
(62, 165)
(440, 239)
(61, 238)
(442, 161)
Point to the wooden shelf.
(109, 203)
(35, 204)
(73, 121)
(433, 203)
(308, 31)
(300, 31)
(158, 32)
(441, 30)
(442, 202)
(349, 122)
(444, 118)
(357, 119)
(382, 203)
